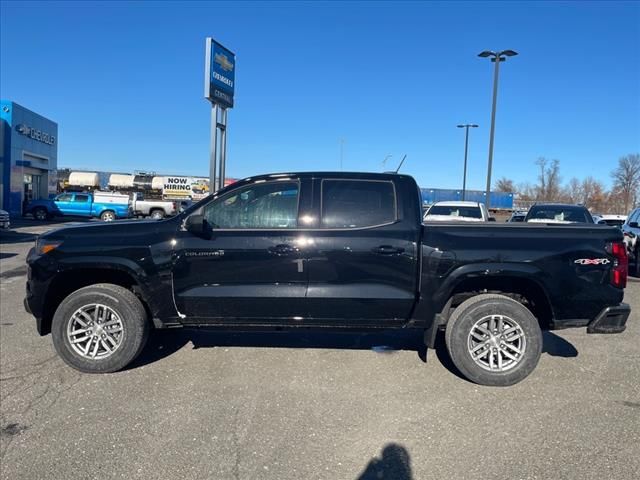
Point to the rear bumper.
(610, 320)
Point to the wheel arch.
(72, 279)
(519, 282)
(521, 285)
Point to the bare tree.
(549, 186)
(573, 191)
(594, 196)
(505, 185)
(626, 180)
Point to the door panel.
(239, 275)
(362, 265)
(352, 277)
(64, 203)
(251, 265)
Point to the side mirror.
(195, 224)
(491, 219)
(634, 225)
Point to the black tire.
(458, 332)
(128, 307)
(636, 268)
(108, 216)
(40, 214)
(157, 214)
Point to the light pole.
(466, 126)
(496, 57)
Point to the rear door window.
(81, 198)
(357, 203)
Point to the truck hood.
(114, 231)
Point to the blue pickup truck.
(104, 205)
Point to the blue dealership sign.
(220, 74)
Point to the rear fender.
(435, 300)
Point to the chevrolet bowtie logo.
(23, 129)
(222, 60)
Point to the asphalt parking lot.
(310, 405)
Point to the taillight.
(620, 268)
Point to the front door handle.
(388, 250)
(283, 249)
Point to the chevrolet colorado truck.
(335, 250)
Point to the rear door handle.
(388, 250)
(283, 249)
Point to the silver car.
(4, 220)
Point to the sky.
(125, 83)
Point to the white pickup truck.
(154, 208)
(458, 212)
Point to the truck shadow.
(552, 345)
(163, 343)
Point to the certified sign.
(220, 74)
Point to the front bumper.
(38, 281)
(610, 320)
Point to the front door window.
(271, 205)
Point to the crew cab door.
(64, 203)
(250, 265)
(363, 257)
(80, 205)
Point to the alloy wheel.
(496, 343)
(95, 331)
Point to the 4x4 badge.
(592, 261)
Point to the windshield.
(451, 211)
(560, 214)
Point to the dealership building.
(28, 156)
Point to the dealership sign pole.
(219, 85)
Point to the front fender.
(156, 293)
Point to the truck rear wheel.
(157, 214)
(100, 328)
(107, 216)
(494, 340)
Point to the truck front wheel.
(100, 329)
(40, 214)
(494, 340)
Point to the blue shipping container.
(501, 200)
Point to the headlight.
(44, 245)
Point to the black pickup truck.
(342, 250)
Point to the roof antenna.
(401, 162)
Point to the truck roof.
(458, 204)
(328, 174)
